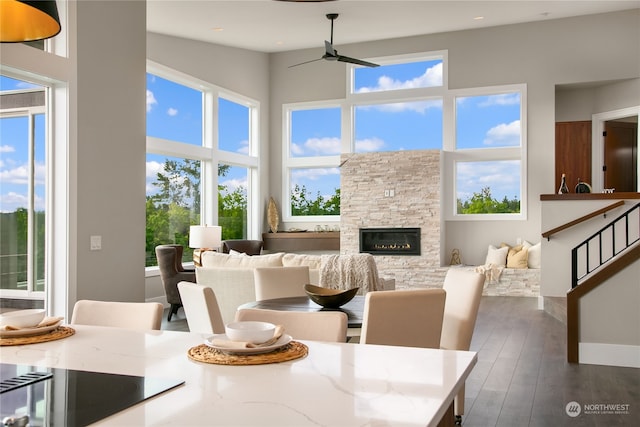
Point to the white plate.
(284, 340)
(28, 332)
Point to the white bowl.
(22, 318)
(253, 332)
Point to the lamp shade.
(27, 21)
(205, 236)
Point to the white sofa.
(231, 276)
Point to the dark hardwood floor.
(522, 377)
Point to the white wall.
(541, 54)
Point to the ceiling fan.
(331, 54)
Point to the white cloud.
(296, 149)
(504, 135)
(151, 174)
(11, 201)
(234, 183)
(244, 147)
(7, 149)
(419, 106)
(502, 177)
(369, 144)
(502, 99)
(313, 174)
(17, 175)
(431, 77)
(172, 112)
(323, 146)
(151, 100)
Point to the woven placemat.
(57, 334)
(203, 353)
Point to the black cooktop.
(63, 397)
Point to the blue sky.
(174, 112)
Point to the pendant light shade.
(27, 21)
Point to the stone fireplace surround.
(414, 177)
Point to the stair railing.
(600, 238)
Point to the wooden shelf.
(302, 241)
(589, 196)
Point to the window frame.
(208, 153)
(453, 155)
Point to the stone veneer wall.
(414, 177)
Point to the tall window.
(23, 188)
(312, 161)
(489, 152)
(192, 132)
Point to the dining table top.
(354, 308)
(333, 384)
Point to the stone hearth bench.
(522, 282)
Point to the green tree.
(483, 203)
(302, 203)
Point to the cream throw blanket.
(350, 271)
(491, 272)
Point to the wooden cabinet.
(573, 153)
(305, 241)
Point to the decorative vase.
(563, 185)
(272, 215)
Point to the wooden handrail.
(547, 234)
(573, 298)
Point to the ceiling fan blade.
(305, 62)
(329, 50)
(356, 61)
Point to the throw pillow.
(216, 259)
(534, 254)
(497, 256)
(517, 257)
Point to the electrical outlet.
(392, 193)
(386, 193)
(96, 243)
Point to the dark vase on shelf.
(563, 185)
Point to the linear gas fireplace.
(390, 241)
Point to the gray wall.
(541, 54)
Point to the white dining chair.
(280, 282)
(201, 308)
(411, 317)
(303, 325)
(464, 291)
(131, 315)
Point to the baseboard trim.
(627, 356)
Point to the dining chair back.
(464, 291)
(172, 272)
(280, 282)
(302, 325)
(201, 308)
(411, 318)
(131, 315)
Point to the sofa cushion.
(517, 257)
(314, 262)
(497, 256)
(534, 255)
(216, 259)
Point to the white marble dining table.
(335, 384)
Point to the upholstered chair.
(169, 265)
(411, 318)
(280, 282)
(130, 315)
(464, 292)
(249, 247)
(328, 326)
(201, 308)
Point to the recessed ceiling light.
(217, 29)
(478, 18)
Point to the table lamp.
(204, 238)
